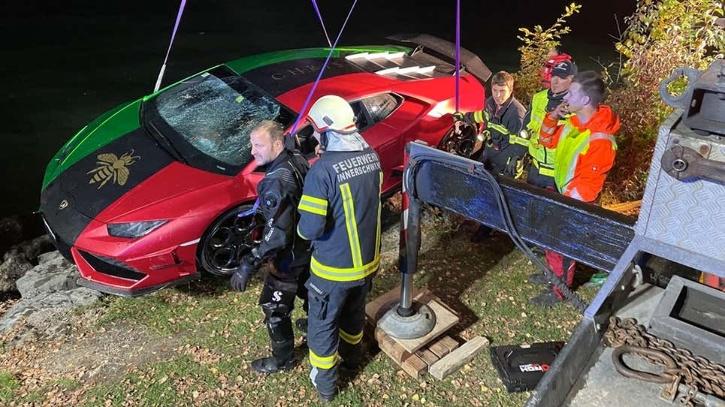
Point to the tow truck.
(653, 335)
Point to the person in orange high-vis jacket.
(585, 152)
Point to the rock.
(19, 310)
(13, 252)
(39, 245)
(83, 296)
(48, 310)
(18, 228)
(54, 274)
(13, 267)
(19, 258)
(45, 316)
(50, 256)
(48, 291)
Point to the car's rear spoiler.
(469, 60)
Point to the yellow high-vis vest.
(543, 158)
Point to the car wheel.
(465, 144)
(228, 239)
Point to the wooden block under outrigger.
(417, 356)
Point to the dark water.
(64, 63)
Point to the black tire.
(465, 144)
(227, 240)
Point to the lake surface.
(64, 64)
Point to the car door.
(373, 114)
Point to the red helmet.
(549, 66)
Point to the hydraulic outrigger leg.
(407, 319)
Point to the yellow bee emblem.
(111, 167)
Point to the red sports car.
(151, 192)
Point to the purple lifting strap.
(168, 51)
(250, 211)
(322, 70)
(458, 49)
(319, 16)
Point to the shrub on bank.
(658, 37)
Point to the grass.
(208, 335)
(8, 385)
(159, 385)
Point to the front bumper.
(103, 266)
(137, 276)
(137, 292)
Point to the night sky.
(66, 62)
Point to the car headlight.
(134, 229)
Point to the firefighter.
(541, 171)
(541, 159)
(552, 59)
(582, 132)
(278, 196)
(501, 121)
(340, 214)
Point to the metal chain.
(695, 371)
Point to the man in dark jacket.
(340, 214)
(278, 196)
(501, 122)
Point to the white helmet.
(332, 112)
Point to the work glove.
(512, 167)
(485, 137)
(246, 270)
(458, 122)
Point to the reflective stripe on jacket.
(504, 123)
(340, 213)
(585, 153)
(542, 157)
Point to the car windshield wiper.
(164, 141)
(158, 136)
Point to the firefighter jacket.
(279, 194)
(503, 123)
(585, 152)
(541, 157)
(340, 214)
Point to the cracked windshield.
(216, 115)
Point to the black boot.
(282, 358)
(538, 278)
(326, 398)
(270, 365)
(279, 327)
(348, 369)
(546, 299)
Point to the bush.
(659, 37)
(537, 43)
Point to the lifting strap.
(458, 50)
(322, 70)
(319, 17)
(168, 51)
